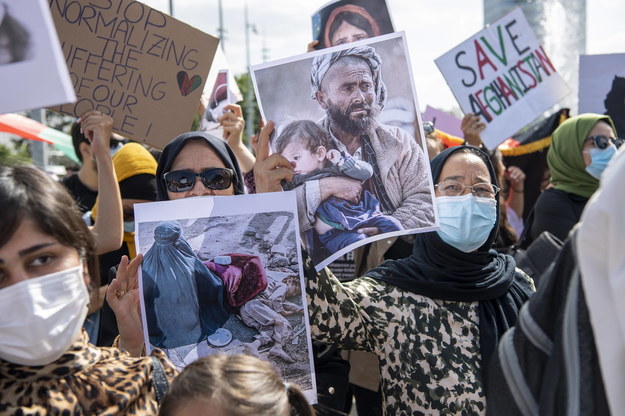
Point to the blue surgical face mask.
(599, 159)
(129, 226)
(466, 221)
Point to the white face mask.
(41, 317)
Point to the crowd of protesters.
(434, 315)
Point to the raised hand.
(270, 170)
(122, 296)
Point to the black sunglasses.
(602, 142)
(184, 180)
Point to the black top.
(84, 197)
(556, 211)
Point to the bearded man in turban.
(348, 85)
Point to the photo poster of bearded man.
(344, 21)
(359, 177)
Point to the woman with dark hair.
(234, 385)
(48, 266)
(14, 38)
(434, 318)
(349, 23)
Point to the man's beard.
(357, 125)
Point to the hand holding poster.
(220, 90)
(504, 75)
(224, 275)
(357, 178)
(344, 21)
(136, 64)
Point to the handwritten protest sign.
(503, 74)
(142, 67)
(32, 67)
(602, 87)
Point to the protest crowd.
(429, 273)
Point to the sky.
(432, 28)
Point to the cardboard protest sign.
(503, 74)
(32, 67)
(343, 21)
(224, 275)
(140, 66)
(358, 178)
(602, 87)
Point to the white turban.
(322, 63)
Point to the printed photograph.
(31, 59)
(225, 283)
(602, 87)
(216, 100)
(346, 120)
(340, 22)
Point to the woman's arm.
(350, 316)
(108, 230)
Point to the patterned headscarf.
(321, 65)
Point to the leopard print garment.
(428, 349)
(87, 380)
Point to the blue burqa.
(184, 301)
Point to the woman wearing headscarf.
(193, 164)
(198, 153)
(435, 317)
(580, 150)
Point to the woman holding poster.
(435, 317)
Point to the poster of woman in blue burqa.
(224, 283)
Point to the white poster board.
(32, 67)
(396, 197)
(602, 87)
(245, 247)
(504, 75)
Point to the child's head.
(304, 144)
(232, 385)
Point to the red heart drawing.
(186, 84)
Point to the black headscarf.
(440, 271)
(219, 146)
